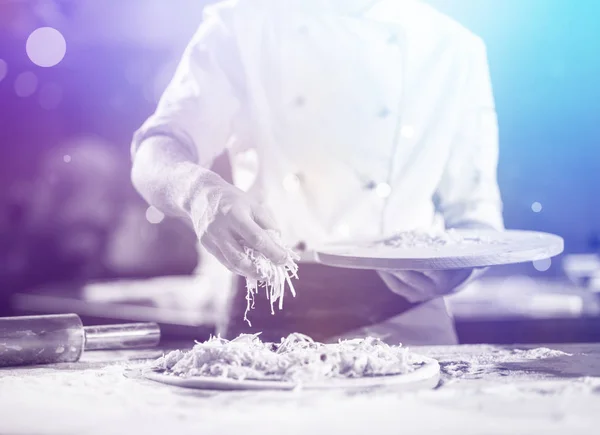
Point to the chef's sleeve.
(468, 195)
(200, 103)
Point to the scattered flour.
(538, 353)
(94, 397)
(499, 362)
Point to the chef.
(343, 120)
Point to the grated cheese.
(422, 239)
(296, 358)
(273, 277)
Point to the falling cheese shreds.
(297, 358)
(273, 277)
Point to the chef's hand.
(236, 221)
(226, 220)
(420, 286)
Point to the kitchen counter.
(483, 389)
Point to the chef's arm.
(192, 125)
(468, 195)
(166, 175)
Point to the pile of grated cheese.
(273, 277)
(422, 239)
(296, 358)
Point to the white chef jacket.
(346, 121)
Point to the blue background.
(545, 64)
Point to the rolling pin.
(33, 340)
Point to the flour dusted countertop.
(484, 389)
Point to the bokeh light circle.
(3, 69)
(343, 230)
(154, 215)
(542, 265)
(536, 207)
(46, 47)
(383, 190)
(50, 96)
(25, 84)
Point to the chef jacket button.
(299, 101)
(407, 131)
(384, 112)
(291, 182)
(392, 39)
(383, 190)
(300, 246)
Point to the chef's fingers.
(264, 219)
(233, 251)
(446, 280)
(398, 286)
(214, 250)
(439, 277)
(228, 253)
(258, 239)
(424, 285)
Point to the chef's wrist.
(201, 194)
